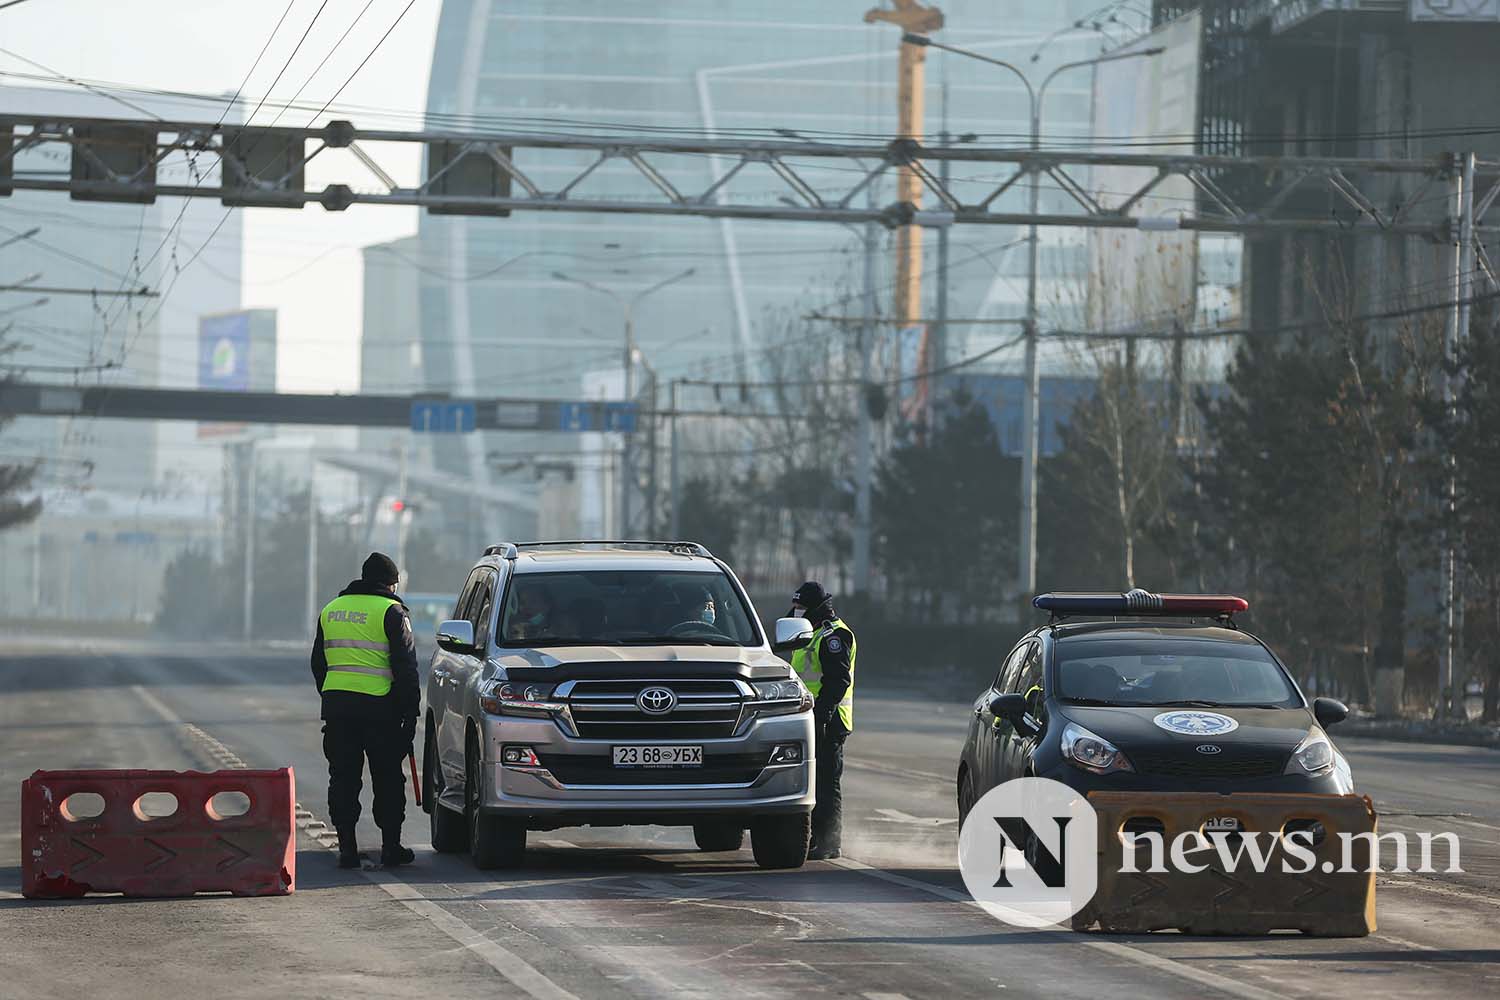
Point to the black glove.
(409, 734)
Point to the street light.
(1030, 410)
(627, 308)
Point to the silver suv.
(614, 683)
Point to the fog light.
(787, 753)
(520, 756)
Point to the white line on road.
(504, 961)
(1200, 976)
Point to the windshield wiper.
(678, 640)
(1095, 701)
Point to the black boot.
(348, 848)
(393, 854)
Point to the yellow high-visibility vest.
(355, 644)
(810, 668)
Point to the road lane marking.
(1121, 951)
(521, 974)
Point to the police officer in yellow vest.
(364, 660)
(826, 666)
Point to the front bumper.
(738, 780)
(1331, 782)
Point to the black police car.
(1142, 703)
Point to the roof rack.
(510, 550)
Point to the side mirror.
(457, 636)
(792, 633)
(1329, 711)
(1012, 708)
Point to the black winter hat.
(811, 595)
(380, 569)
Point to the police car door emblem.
(656, 700)
(1194, 723)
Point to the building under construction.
(1380, 79)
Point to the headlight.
(1314, 755)
(782, 697)
(510, 698)
(1092, 752)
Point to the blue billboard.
(224, 352)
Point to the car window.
(1167, 671)
(1012, 666)
(584, 607)
(480, 606)
(1029, 684)
(1017, 671)
(461, 606)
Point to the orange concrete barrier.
(96, 831)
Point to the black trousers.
(828, 813)
(348, 743)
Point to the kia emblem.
(1208, 748)
(656, 700)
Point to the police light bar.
(1141, 603)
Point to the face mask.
(537, 618)
(798, 613)
(707, 616)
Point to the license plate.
(653, 755)
(1221, 824)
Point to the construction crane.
(912, 18)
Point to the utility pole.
(312, 541)
(1032, 379)
(627, 307)
(676, 469)
(248, 467)
(940, 353)
(401, 514)
(911, 17)
(864, 443)
(1461, 188)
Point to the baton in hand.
(416, 784)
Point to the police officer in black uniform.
(364, 660)
(829, 671)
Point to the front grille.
(720, 769)
(606, 710)
(1195, 765)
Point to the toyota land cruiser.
(614, 683)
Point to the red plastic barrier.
(65, 855)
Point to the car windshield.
(625, 607)
(1162, 671)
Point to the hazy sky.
(305, 264)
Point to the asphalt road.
(640, 912)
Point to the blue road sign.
(620, 417)
(575, 416)
(439, 416)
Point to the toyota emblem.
(656, 700)
(1208, 748)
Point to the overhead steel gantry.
(496, 173)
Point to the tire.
(493, 842)
(449, 833)
(718, 837)
(781, 841)
(965, 797)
